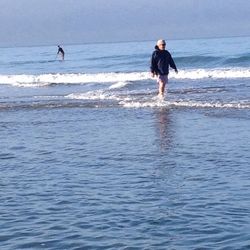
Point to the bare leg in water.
(161, 88)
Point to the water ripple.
(102, 180)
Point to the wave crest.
(121, 79)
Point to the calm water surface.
(124, 179)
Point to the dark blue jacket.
(160, 62)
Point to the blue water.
(91, 159)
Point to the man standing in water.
(160, 62)
(60, 51)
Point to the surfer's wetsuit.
(160, 62)
(60, 50)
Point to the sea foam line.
(76, 78)
(130, 101)
(187, 104)
(212, 73)
(80, 78)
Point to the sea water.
(90, 158)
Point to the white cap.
(161, 41)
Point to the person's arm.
(153, 66)
(172, 64)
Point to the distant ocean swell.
(214, 61)
(41, 80)
(240, 60)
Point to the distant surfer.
(160, 61)
(60, 51)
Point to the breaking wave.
(120, 79)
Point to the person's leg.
(162, 81)
(161, 88)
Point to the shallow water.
(91, 159)
(120, 178)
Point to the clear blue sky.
(38, 22)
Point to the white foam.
(119, 80)
(137, 104)
(194, 74)
(119, 85)
(93, 95)
(241, 105)
(190, 104)
(48, 79)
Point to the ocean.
(91, 159)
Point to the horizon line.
(122, 41)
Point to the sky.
(50, 22)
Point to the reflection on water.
(165, 165)
(163, 129)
